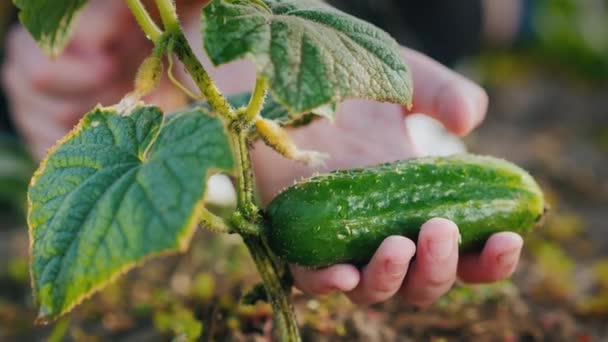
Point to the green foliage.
(117, 190)
(49, 22)
(580, 44)
(311, 53)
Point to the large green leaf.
(116, 191)
(311, 53)
(49, 21)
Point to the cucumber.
(342, 217)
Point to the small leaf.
(49, 22)
(311, 53)
(115, 191)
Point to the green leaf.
(49, 22)
(117, 190)
(311, 53)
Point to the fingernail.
(346, 281)
(479, 103)
(508, 259)
(395, 268)
(442, 249)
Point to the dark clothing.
(5, 124)
(445, 30)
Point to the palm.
(364, 133)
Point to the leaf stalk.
(245, 221)
(256, 103)
(144, 20)
(214, 223)
(218, 102)
(168, 14)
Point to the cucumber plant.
(129, 182)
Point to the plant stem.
(285, 321)
(269, 267)
(246, 181)
(246, 118)
(242, 226)
(257, 99)
(168, 14)
(201, 77)
(214, 223)
(144, 20)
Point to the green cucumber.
(342, 217)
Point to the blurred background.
(545, 66)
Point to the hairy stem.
(201, 77)
(246, 219)
(144, 20)
(176, 82)
(214, 223)
(243, 226)
(277, 138)
(168, 14)
(285, 321)
(257, 100)
(246, 180)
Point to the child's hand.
(367, 133)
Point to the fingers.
(38, 129)
(497, 261)
(430, 276)
(54, 94)
(33, 106)
(439, 92)
(42, 119)
(65, 76)
(71, 77)
(341, 277)
(434, 271)
(383, 276)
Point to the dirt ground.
(551, 124)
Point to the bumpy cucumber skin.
(343, 217)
